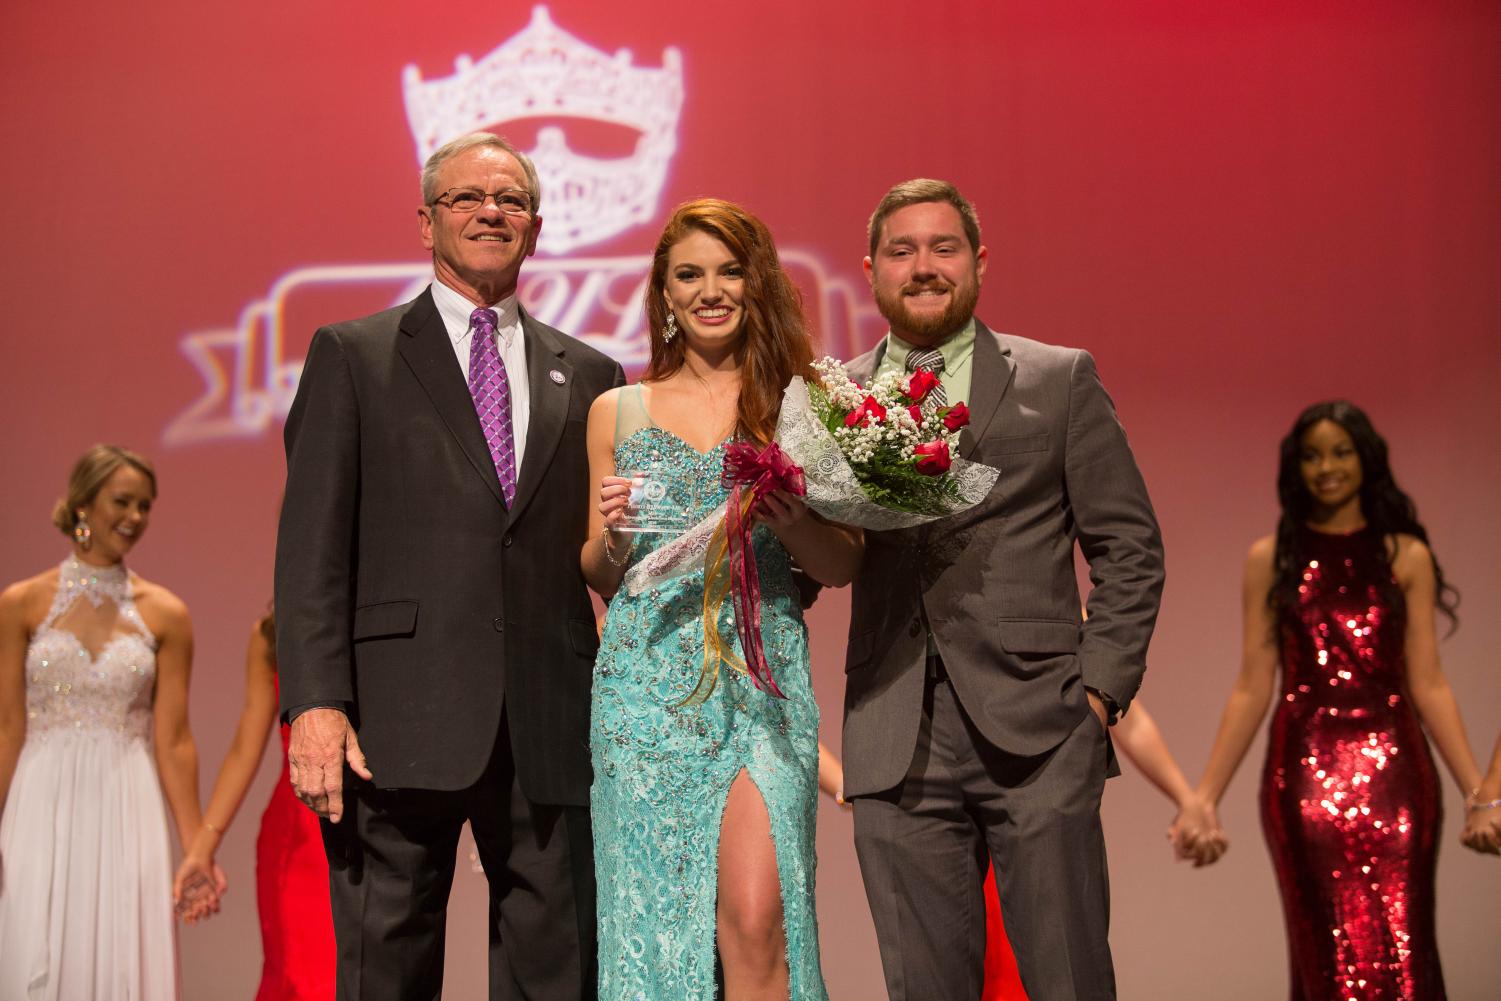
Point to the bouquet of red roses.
(880, 456)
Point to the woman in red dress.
(291, 872)
(1344, 598)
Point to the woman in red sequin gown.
(291, 872)
(1344, 598)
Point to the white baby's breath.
(898, 431)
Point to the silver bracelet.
(1476, 806)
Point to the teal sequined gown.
(662, 775)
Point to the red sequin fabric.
(1350, 801)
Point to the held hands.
(198, 887)
(1482, 831)
(322, 742)
(1196, 833)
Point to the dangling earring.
(82, 534)
(671, 330)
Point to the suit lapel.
(549, 407)
(863, 368)
(429, 353)
(990, 377)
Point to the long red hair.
(775, 345)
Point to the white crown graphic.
(543, 71)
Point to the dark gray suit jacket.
(406, 589)
(996, 583)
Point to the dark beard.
(929, 330)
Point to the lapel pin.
(556, 376)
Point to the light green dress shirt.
(958, 357)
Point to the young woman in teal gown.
(703, 805)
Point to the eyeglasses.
(511, 201)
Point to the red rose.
(921, 384)
(956, 417)
(933, 458)
(865, 413)
(916, 413)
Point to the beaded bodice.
(91, 665)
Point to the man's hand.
(1097, 704)
(322, 742)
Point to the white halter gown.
(85, 866)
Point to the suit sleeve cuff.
(1112, 708)
(296, 711)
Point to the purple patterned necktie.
(491, 390)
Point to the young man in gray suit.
(976, 701)
(435, 640)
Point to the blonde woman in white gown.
(94, 665)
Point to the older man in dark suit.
(976, 701)
(435, 640)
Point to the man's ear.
(869, 267)
(981, 257)
(531, 245)
(425, 226)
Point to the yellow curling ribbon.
(717, 580)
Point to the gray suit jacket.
(996, 584)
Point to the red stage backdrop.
(1239, 209)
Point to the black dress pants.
(391, 864)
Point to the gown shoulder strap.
(630, 414)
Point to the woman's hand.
(615, 501)
(831, 776)
(781, 510)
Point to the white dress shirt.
(455, 310)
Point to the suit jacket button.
(915, 628)
(506, 541)
(499, 624)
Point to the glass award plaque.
(651, 509)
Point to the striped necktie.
(929, 360)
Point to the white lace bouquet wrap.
(896, 424)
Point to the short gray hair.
(920, 190)
(465, 143)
